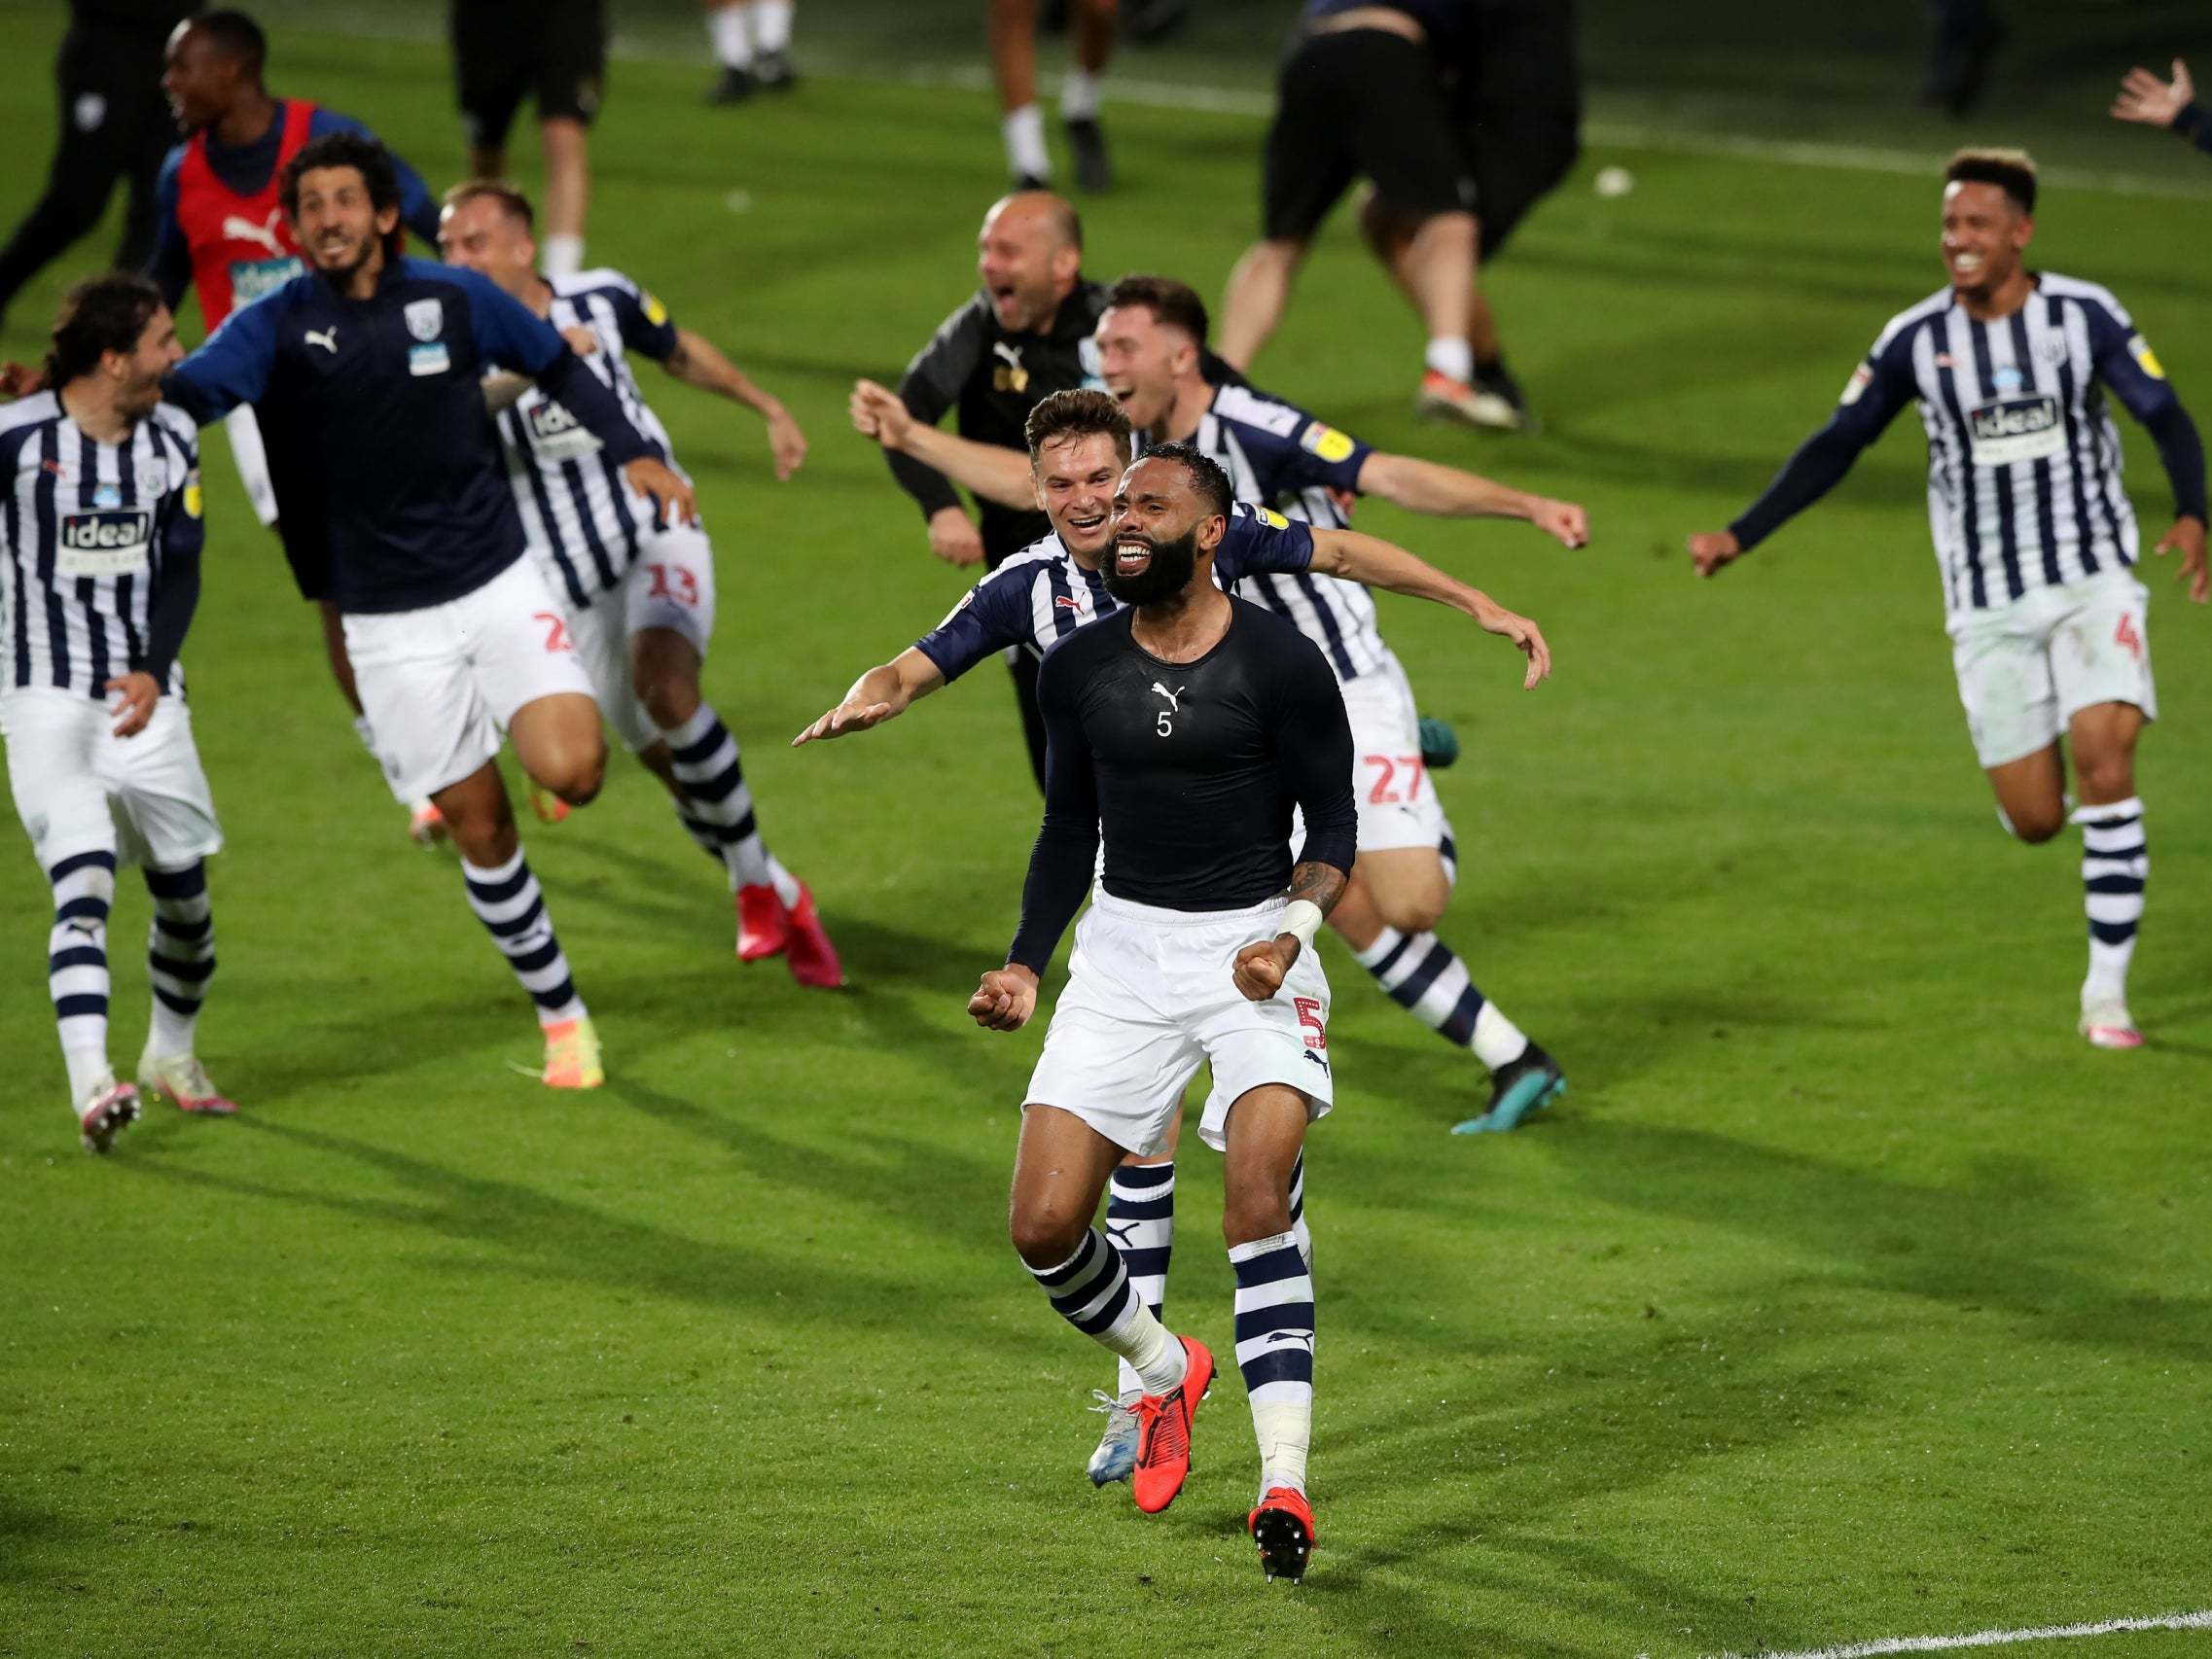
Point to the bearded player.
(640, 593)
(2035, 539)
(221, 231)
(1182, 732)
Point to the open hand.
(657, 479)
(2144, 97)
(1495, 619)
(1006, 999)
(135, 695)
(787, 443)
(844, 718)
(2188, 534)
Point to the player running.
(101, 537)
(640, 594)
(1152, 341)
(1079, 448)
(221, 232)
(2034, 539)
(1183, 728)
(375, 362)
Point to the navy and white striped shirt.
(2023, 457)
(1277, 454)
(87, 531)
(1041, 595)
(584, 523)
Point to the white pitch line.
(1988, 1637)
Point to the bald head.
(1029, 254)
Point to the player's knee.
(2107, 777)
(579, 780)
(669, 697)
(1044, 1237)
(1246, 1215)
(2033, 825)
(1414, 912)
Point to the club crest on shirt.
(425, 318)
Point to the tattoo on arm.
(1319, 884)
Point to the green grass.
(1849, 1294)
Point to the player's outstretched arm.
(1447, 492)
(993, 473)
(884, 692)
(697, 361)
(1375, 563)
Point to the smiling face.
(1144, 363)
(1162, 524)
(200, 80)
(479, 234)
(1076, 478)
(1984, 235)
(337, 226)
(1027, 259)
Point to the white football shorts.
(2027, 667)
(1148, 1000)
(441, 684)
(253, 462)
(81, 789)
(672, 585)
(1391, 787)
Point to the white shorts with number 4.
(672, 585)
(81, 789)
(441, 684)
(2028, 668)
(1148, 1000)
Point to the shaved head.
(1039, 212)
(1030, 256)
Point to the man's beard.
(1164, 575)
(340, 272)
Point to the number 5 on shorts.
(1309, 1016)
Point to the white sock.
(1425, 977)
(732, 45)
(1452, 357)
(561, 254)
(1079, 95)
(1024, 130)
(1498, 1041)
(771, 24)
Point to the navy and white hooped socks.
(1274, 1350)
(2116, 868)
(507, 902)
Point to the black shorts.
(1360, 103)
(1517, 110)
(553, 51)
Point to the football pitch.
(1848, 1294)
